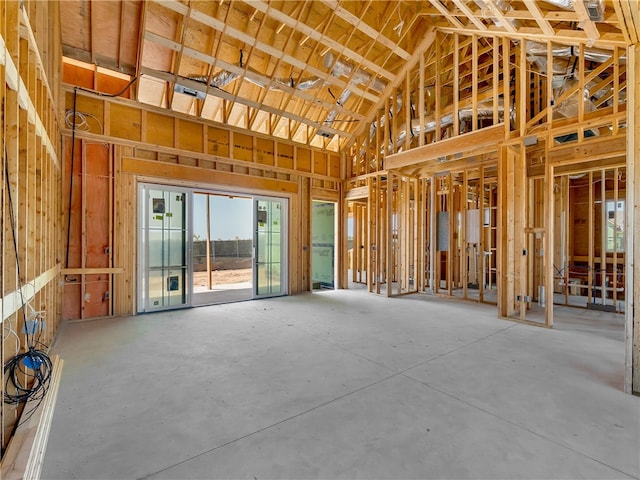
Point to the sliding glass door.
(270, 242)
(168, 266)
(164, 245)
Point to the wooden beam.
(543, 23)
(470, 15)
(506, 23)
(567, 37)
(288, 21)
(249, 103)
(251, 75)
(91, 271)
(24, 456)
(626, 27)
(155, 169)
(590, 150)
(424, 44)
(490, 136)
(371, 32)
(587, 24)
(444, 11)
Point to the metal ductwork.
(334, 113)
(595, 8)
(502, 5)
(224, 78)
(357, 77)
(360, 77)
(484, 111)
(563, 77)
(564, 4)
(560, 51)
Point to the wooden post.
(389, 234)
(421, 102)
(464, 269)
(456, 87)
(371, 227)
(591, 228)
(632, 258)
(433, 213)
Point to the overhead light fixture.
(192, 92)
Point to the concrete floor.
(340, 384)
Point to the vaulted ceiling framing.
(314, 72)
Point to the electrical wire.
(81, 120)
(109, 95)
(26, 374)
(74, 115)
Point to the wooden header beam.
(157, 169)
(467, 142)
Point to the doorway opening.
(323, 244)
(222, 252)
(205, 247)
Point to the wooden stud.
(632, 250)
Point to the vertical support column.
(512, 258)
(464, 269)
(521, 237)
(456, 86)
(376, 191)
(420, 235)
(506, 75)
(632, 318)
(407, 112)
(371, 228)
(474, 86)
(602, 277)
(496, 82)
(433, 211)
(549, 215)
(550, 99)
(383, 240)
(389, 234)
(343, 261)
(481, 243)
(421, 102)
(591, 244)
(523, 88)
(438, 88)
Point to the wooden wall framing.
(30, 186)
(126, 142)
(531, 131)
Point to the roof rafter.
(366, 29)
(164, 76)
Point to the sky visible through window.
(231, 217)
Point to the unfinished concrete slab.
(339, 384)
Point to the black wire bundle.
(27, 375)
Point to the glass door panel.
(322, 244)
(270, 247)
(164, 244)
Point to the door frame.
(142, 293)
(284, 246)
(143, 241)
